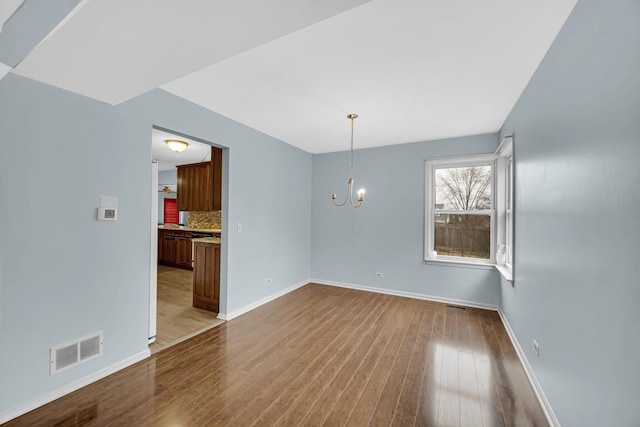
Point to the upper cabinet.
(216, 170)
(200, 184)
(195, 187)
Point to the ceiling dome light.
(176, 145)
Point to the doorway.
(177, 320)
(172, 316)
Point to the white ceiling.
(167, 160)
(414, 70)
(113, 50)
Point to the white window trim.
(429, 254)
(499, 224)
(505, 229)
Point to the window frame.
(431, 165)
(506, 208)
(502, 203)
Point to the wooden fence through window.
(463, 239)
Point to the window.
(460, 210)
(469, 210)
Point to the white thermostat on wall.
(107, 214)
(107, 208)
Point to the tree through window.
(465, 188)
(461, 208)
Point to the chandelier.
(360, 194)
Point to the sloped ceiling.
(414, 70)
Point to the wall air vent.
(68, 354)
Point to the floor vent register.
(69, 354)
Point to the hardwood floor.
(320, 355)
(177, 319)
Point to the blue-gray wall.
(577, 145)
(29, 24)
(387, 233)
(64, 274)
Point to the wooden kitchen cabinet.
(160, 245)
(216, 171)
(200, 184)
(174, 248)
(195, 187)
(183, 252)
(206, 276)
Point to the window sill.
(506, 273)
(456, 263)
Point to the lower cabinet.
(174, 248)
(183, 252)
(206, 276)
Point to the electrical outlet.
(378, 274)
(536, 347)
(269, 280)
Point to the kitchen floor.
(177, 319)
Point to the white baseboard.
(69, 388)
(537, 388)
(262, 301)
(407, 294)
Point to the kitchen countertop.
(187, 228)
(211, 240)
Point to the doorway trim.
(153, 268)
(153, 261)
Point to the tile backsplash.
(205, 219)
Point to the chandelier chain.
(351, 151)
(349, 197)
